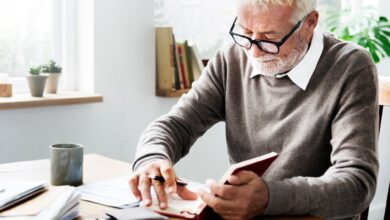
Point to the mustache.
(265, 58)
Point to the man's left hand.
(245, 197)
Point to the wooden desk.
(96, 168)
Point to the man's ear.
(312, 20)
(310, 24)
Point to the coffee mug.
(66, 164)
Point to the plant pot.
(36, 83)
(52, 83)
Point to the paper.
(177, 204)
(137, 213)
(113, 192)
(64, 207)
(14, 191)
(57, 203)
(34, 206)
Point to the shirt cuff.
(147, 154)
(278, 201)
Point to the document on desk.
(113, 192)
(58, 202)
(15, 191)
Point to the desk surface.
(96, 168)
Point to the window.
(32, 32)
(207, 23)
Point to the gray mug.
(66, 164)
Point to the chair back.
(384, 100)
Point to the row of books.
(178, 63)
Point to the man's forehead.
(275, 18)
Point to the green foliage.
(365, 28)
(35, 70)
(51, 67)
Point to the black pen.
(161, 179)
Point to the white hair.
(303, 7)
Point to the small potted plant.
(36, 81)
(54, 73)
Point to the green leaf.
(385, 42)
(383, 19)
(387, 33)
(372, 50)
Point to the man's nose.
(255, 51)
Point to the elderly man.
(282, 86)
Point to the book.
(165, 67)
(197, 209)
(178, 83)
(196, 61)
(188, 59)
(183, 64)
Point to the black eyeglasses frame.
(259, 42)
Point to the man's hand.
(245, 197)
(140, 184)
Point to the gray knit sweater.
(326, 136)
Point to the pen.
(161, 179)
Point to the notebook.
(197, 209)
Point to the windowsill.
(62, 98)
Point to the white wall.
(124, 74)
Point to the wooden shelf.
(171, 93)
(62, 98)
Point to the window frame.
(64, 46)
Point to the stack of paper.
(13, 191)
(60, 202)
(64, 207)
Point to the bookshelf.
(178, 64)
(171, 93)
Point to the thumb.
(186, 194)
(242, 177)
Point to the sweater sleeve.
(172, 135)
(348, 186)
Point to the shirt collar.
(303, 71)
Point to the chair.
(384, 100)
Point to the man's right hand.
(140, 184)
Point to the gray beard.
(271, 65)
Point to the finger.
(219, 205)
(186, 194)
(159, 188)
(169, 176)
(223, 191)
(133, 183)
(144, 184)
(242, 177)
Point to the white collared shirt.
(303, 71)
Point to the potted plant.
(363, 27)
(54, 73)
(36, 81)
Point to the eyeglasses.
(264, 45)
